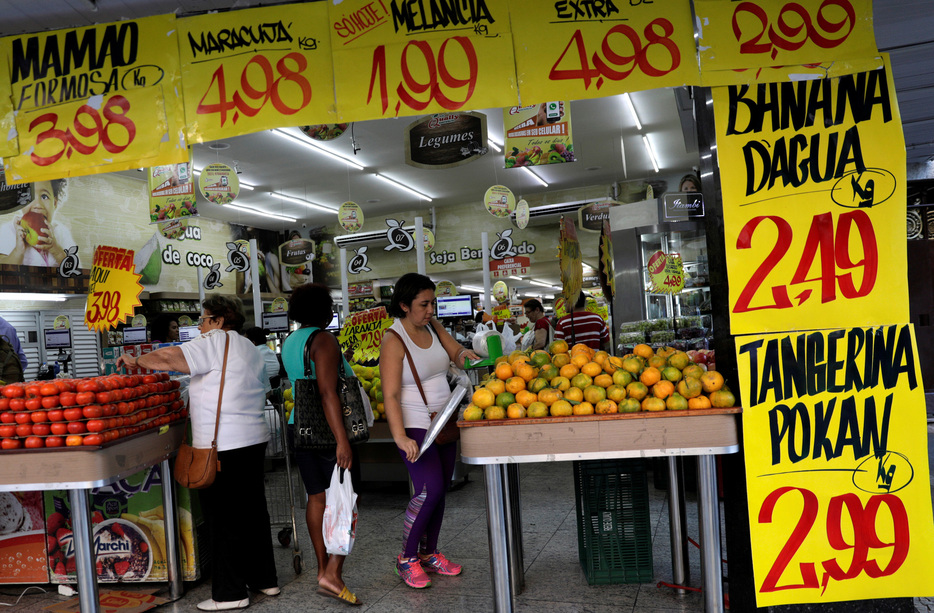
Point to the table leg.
(680, 571)
(708, 510)
(176, 589)
(85, 568)
(496, 529)
(513, 526)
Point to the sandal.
(346, 596)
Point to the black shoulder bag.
(312, 430)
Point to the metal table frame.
(668, 434)
(79, 470)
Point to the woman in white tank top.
(432, 350)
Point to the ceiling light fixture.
(401, 186)
(248, 209)
(301, 202)
(471, 288)
(543, 284)
(648, 148)
(496, 146)
(632, 111)
(310, 145)
(36, 297)
(537, 178)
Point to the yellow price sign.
(114, 289)
(363, 333)
(666, 270)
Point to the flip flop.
(346, 596)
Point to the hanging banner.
(522, 214)
(9, 144)
(97, 99)
(834, 424)
(256, 69)
(397, 59)
(499, 201)
(815, 226)
(592, 50)
(591, 216)
(445, 140)
(219, 184)
(779, 74)
(607, 273)
(764, 33)
(363, 333)
(445, 288)
(350, 216)
(171, 192)
(570, 263)
(324, 131)
(538, 134)
(114, 289)
(295, 257)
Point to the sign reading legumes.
(394, 59)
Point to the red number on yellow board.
(658, 32)
(792, 34)
(834, 250)
(862, 522)
(105, 127)
(410, 90)
(106, 307)
(269, 88)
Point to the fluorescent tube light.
(496, 146)
(248, 209)
(311, 145)
(648, 148)
(537, 178)
(403, 187)
(632, 111)
(36, 297)
(542, 283)
(471, 288)
(305, 203)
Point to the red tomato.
(92, 411)
(88, 385)
(54, 441)
(17, 404)
(48, 389)
(33, 403)
(77, 427)
(104, 397)
(7, 417)
(34, 442)
(42, 429)
(93, 439)
(68, 385)
(56, 415)
(84, 397)
(68, 399)
(4, 403)
(74, 440)
(110, 410)
(22, 418)
(123, 408)
(32, 389)
(12, 391)
(150, 378)
(24, 430)
(7, 430)
(59, 427)
(73, 413)
(95, 425)
(10, 443)
(50, 402)
(38, 417)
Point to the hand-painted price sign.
(363, 333)
(763, 33)
(607, 51)
(114, 289)
(246, 71)
(424, 63)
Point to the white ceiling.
(606, 141)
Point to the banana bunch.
(152, 523)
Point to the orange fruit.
(676, 402)
(701, 402)
(518, 362)
(579, 359)
(712, 381)
(500, 360)
(650, 376)
(612, 364)
(494, 412)
(663, 389)
(643, 350)
(539, 358)
(560, 408)
(558, 346)
(526, 371)
(568, 371)
(516, 355)
(503, 371)
(679, 360)
(616, 392)
(560, 383)
(593, 394)
(658, 362)
(537, 385)
(665, 352)
(497, 386)
(637, 390)
(537, 409)
(549, 396)
(690, 387)
(603, 380)
(584, 408)
(672, 374)
(525, 398)
(548, 372)
(633, 365)
(693, 370)
(605, 406)
(515, 384)
(505, 399)
(582, 348)
(591, 369)
(560, 360)
(722, 399)
(581, 380)
(629, 405)
(574, 394)
(473, 412)
(515, 411)
(653, 404)
(483, 398)
(600, 357)
(622, 378)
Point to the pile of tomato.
(91, 411)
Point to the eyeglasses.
(202, 319)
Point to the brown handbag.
(450, 433)
(196, 468)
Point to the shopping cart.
(281, 486)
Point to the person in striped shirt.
(582, 326)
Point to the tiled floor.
(554, 581)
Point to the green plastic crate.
(614, 535)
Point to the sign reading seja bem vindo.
(501, 249)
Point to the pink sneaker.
(437, 563)
(412, 573)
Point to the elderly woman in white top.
(235, 504)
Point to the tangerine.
(568, 371)
(600, 357)
(505, 399)
(642, 350)
(679, 360)
(558, 346)
(503, 371)
(537, 409)
(539, 358)
(574, 394)
(525, 398)
(712, 381)
(494, 412)
(633, 365)
(549, 396)
(561, 408)
(637, 390)
(603, 380)
(560, 383)
(616, 392)
(629, 405)
(663, 389)
(693, 370)
(658, 362)
(612, 364)
(606, 406)
(701, 402)
(497, 386)
(594, 394)
(591, 369)
(526, 371)
(483, 398)
(653, 404)
(473, 412)
(622, 378)
(560, 360)
(690, 387)
(515, 411)
(581, 380)
(584, 408)
(579, 359)
(672, 374)
(582, 348)
(722, 399)
(676, 402)
(536, 385)
(650, 376)
(548, 372)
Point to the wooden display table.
(78, 470)
(497, 444)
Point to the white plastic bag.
(340, 514)
(510, 339)
(481, 335)
(527, 339)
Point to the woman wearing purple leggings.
(431, 349)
